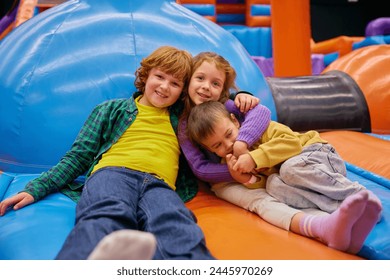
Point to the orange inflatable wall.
(369, 67)
(291, 36)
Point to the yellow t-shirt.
(148, 145)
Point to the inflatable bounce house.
(59, 64)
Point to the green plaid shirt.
(104, 126)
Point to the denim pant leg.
(315, 178)
(163, 213)
(108, 203)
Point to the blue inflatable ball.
(61, 63)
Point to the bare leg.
(125, 245)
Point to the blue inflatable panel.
(260, 10)
(201, 9)
(58, 65)
(257, 40)
(329, 58)
(377, 244)
(37, 231)
(231, 18)
(381, 136)
(368, 41)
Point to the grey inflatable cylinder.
(330, 101)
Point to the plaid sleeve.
(76, 161)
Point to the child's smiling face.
(206, 83)
(161, 89)
(222, 139)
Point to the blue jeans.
(117, 198)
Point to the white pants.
(260, 202)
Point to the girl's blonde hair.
(222, 65)
(170, 60)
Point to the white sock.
(125, 245)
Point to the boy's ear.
(234, 120)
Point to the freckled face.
(206, 83)
(161, 89)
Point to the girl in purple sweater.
(212, 79)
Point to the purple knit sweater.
(252, 128)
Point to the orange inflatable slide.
(50, 81)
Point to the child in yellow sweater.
(310, 174)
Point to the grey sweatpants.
(316, 178)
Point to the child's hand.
(19, 201)
(245, 102)
(240, 148)
(244, 164)
(238, 176)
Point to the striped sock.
(335, 230)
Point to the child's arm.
(202, 168)
(253, 126)
(241, 177)
(281, 143)
(245, 101)
(246, 178)
(75, 163)
(19, 201)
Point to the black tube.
(330, 101)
